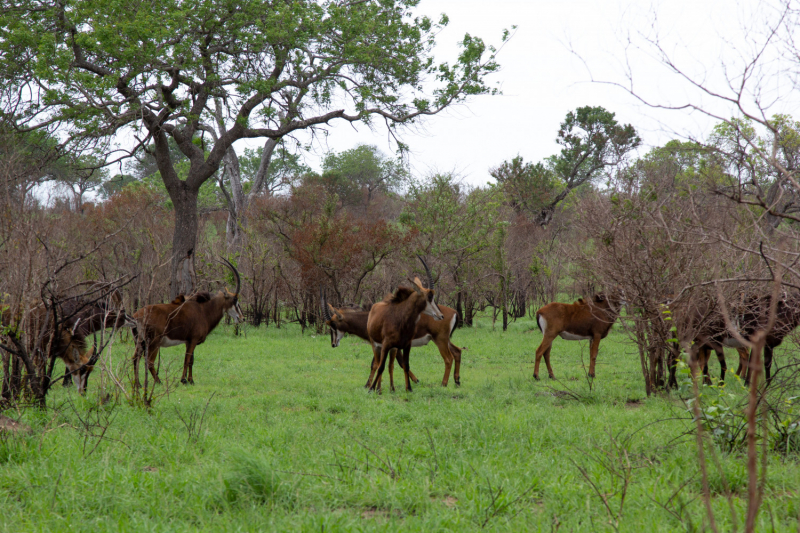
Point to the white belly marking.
(166, 342)
(567, 336)
(730, 342)
(422, 341)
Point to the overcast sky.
(547, 68)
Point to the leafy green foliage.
(528, 187)
(356, 175)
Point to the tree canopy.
(159, 70)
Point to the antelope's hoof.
(415, 380)
(457, 381)
(184, 381)
(536, 377)
(552, 376)
(591, 375)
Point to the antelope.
(392, 322)
(574, 322)
(185, 320)
(713, 334)
(79, 317)
(354, 321)
(754, 318)
(85, 318)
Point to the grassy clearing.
(291, 441)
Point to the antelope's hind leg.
(152, 353)
(456, 352)
(543, 350)
(407, 367)
(188, 362)
(444, 351)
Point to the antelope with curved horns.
(354, 321)
(392, 322)
(574, 322)
(185, 320)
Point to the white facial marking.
(433, 310)
(338, 337)
(567, 336)
(234, 314)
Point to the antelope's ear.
(415, 285)
(599, 298)
(418, 283)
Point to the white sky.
(542, 79)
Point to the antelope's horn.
(235, 275)
(428, 272)
(326, 314)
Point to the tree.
(156, 70)
(452, 227)
(528, 187)
(79, 176)
(357, 174)
(592, 141)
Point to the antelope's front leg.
(385, 348)
(376, 358)
(593, 349)
(406, 364)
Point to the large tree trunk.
(184, 240)
(459, 311)
(237, 201)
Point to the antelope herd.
(408, 318)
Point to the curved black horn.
(235, 274)
(428, 272)
(323, 302)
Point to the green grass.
(291, 441)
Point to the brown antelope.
(574, 322)
(354, 321)
(185, 320)
(78, 317)
(705, 330)
(754, 318)
(392, 322)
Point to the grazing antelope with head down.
(354, 321)
(574, 322)
(183, 321)
(392, 322)
(100, 307)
